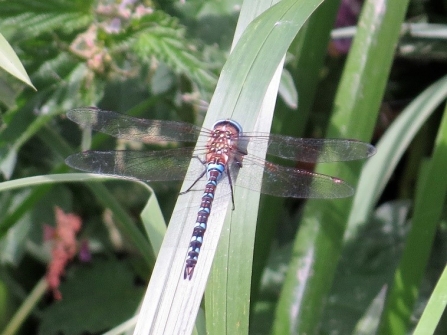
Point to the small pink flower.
(64, 247)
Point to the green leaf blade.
(11, 63)
(319, 242)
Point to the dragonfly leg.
(238, 163)
(231, 187)
(195, 182)
(200, 177)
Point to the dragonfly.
(222, 153)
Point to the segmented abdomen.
(214, 174)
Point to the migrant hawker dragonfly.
(221, 155)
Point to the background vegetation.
(364, 265)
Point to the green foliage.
(318, 266)
(160, 36)
(70, 48)
(39, 20)
(110, 282)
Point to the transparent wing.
(150, 131)
(311, 150)
(283, 181)
(142, 165)
(167, 165)
(131, 128)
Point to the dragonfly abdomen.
(221, 147)
(214, 174)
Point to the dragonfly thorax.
(223, 141)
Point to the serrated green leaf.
(33, 18)
(167, 43)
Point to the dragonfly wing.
(131, 128)
(283, 181)
(313, 150)
(148, 166)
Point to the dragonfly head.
(229, 122)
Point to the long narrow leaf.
(428, 207)
(11, 63)
(434, 309)
(171, 303)
(378, 170)
(319, 242)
